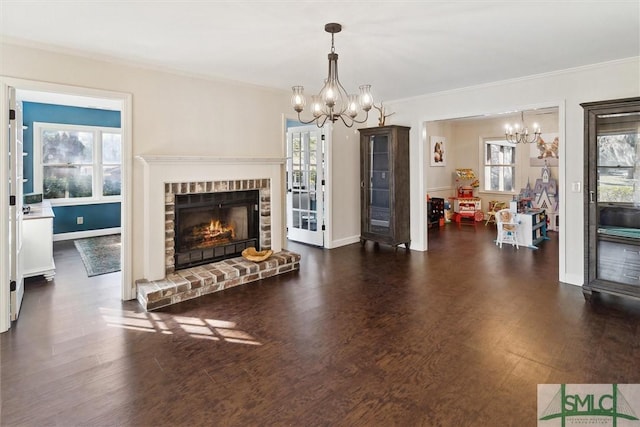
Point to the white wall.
(172, 114)
(345, 185)
(440, 178)
(567, 89)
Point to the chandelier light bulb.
(297, 99)
(352, 110)
(366, 100)
(316, 106)
(329, 96)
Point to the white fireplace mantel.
(159, 170)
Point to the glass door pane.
(618, 171)
(379, 214)
(618, 164)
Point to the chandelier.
(333, 102)
(519, 134)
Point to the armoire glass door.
(379, 191)
(618, 197)
(612, 202)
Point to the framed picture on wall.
(438, 151)
(545, 150)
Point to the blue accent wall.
(103, 215)
(96, 216)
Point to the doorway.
(306, 148)
(78, 97)
(467, 139)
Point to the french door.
(15, 203)
(305, 184)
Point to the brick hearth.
(208, 278)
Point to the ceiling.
(401, 48)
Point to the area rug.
(100, 255)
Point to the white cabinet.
(532, 228)
(37, 242)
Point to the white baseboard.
(84, 234)
(573, 279)
(343, 242)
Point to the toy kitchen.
(465, 204)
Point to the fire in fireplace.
(214, 226)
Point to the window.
(499, 166)
(111, 163)
(77, 163)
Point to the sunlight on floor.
(210, 329)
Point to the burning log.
(206, 235)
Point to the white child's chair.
(507, 228)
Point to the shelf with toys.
(465, 204)
(435, 212)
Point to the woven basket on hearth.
(256, 256)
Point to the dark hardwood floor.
(457, 336)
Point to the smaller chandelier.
(333, 102)
(519, 134)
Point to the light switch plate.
(575, 187)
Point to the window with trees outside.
(77, 163)
(618, 165)
(499, 166)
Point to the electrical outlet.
(80, 220)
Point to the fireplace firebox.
(214, 226)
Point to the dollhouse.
(544, 195)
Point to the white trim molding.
(117, 100)
(5, 321)
(87, 233)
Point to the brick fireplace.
(163, 283)
(174, 190)
(214, 226)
